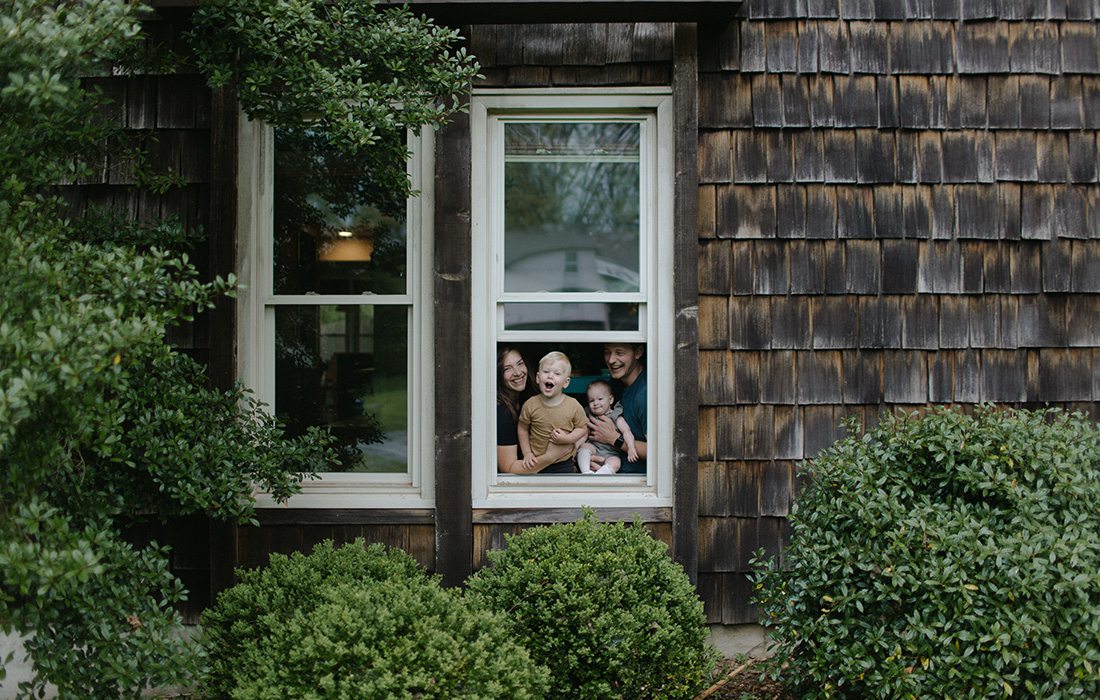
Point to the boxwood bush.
(358, 622)
(603, 607)
(945, 555)
(399, 638)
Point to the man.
(624, 362)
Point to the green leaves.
(356, 622)
(345, 69)
(603, 607)
(959, 554)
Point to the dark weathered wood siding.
(897, 207)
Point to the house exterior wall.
(897, 207)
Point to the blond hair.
(555, 356)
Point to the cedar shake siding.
(897, 207)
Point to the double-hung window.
(572, 220)
(334, 316)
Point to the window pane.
(335, 233)
(571, 207)
(571, 317)
(345, 368)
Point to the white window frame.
(256, 324)
(653, 108)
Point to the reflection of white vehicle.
(546, 260)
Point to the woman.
(514, 386)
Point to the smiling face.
(553, 377)
(514, 371)
(624, 362)
(599, 399)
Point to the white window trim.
(494, 490)
(256, 325)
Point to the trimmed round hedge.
(358, 623)
(603, 607)
(945, 555)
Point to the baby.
(550, 420)
(600, 457)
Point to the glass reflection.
(572, 207)
(571, 317)
(337, 230)
(345, 368)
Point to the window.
(572, 221)
(335, 312)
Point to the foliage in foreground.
(945, 555)
(359, 623)
(102, 425)
(603, 607)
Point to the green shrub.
(945, 555)
(399, 638)
(603, 607)
(358, 622)
(265, 599)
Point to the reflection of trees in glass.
(319, 192)
(573, 186)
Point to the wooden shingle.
(887, 92)
(706, 212)
(749, 157)
(982, 47)
(862, 376)
(869, 47)
(753, 47)
(1052, 160)
(904, 377)
(822, 99)
(855, 212)
(1066, 103)
(875, 156)
(1003, 376)
(716, 387)
(862, 267)
(996, 273)
(821, 426)
(796, 100)
(778, 385)
(930, 159)
(807, 267)
(1083, 320)
(1034, 96)
(954, 325)
(977, 211)
(889, 221)
(966, 374)
(771, 269)
(857, 9)
(1004, 101)
(972, 256)
(767, 101)
(900, 262)
(780, 154)
(839, 149)
(835, 322)
(791, 212)
(714, 322)
(939, 268)
(920, 322)
(835, 54)
(1081, 154)
(714, 156)
(1041, 321)
(1037, 211)
(745, 375)
(807, 47)
(820, 212)
(916, 208)
(914, 102)
(1085, 267)
(750, 324)
(819, 376)
(776, 478)
(781, 39)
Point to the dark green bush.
(265, 599)
(603, 607)
(945, 555)
(399, 638)
(358, 623)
